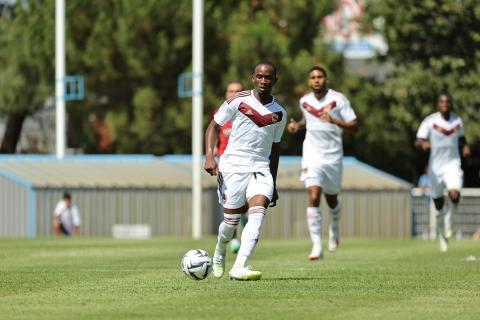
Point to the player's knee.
(438, 203)
(454, 196)
(314, 200)
(332, 201)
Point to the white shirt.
(255, 127)
(443, 136)
(323, 140)
(69, 216)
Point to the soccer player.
(248, 169)
(66, 217)
(443, 134)
(325, 113)
(233, 87)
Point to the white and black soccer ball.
(197, 264)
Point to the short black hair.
(67, 195)
(318, 68)
(268, 63)
(235, 82)
(449, 97)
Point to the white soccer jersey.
(323, 140)
(443, 136)
(69, 216)
(254, 128)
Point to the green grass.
(119, 279)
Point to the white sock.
(334, 216)
(433, 220)
(450, 212)
(439, 214)
(314, 219)
(250, 235)
(225, 233)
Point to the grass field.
(119, 279)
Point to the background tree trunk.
(12, 132)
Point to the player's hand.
(466, 151)
(292, 126)
(211, 166)
(325, 116)
(273, 202)
(425, 145)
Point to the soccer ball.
(197, 264)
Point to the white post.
(197, 129)
(59, 77)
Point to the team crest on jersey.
(444, 131)
(275, 117)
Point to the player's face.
(232, 89)
(264, 79)
(444, 104)
(317, 80)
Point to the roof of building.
(174, 171)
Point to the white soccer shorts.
(235, 189)
(450, 177)
(327, 176)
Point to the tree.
(433, 47)
(27, 73)
(132, 56)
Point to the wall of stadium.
(15, 211)
(365, 213)
(465, 222)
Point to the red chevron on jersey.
(446, 131)
(238, 95)
(257, 118)
(326, 108)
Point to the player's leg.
(311, 176)
(235, 243)
(314, 218)
(233, 201)
(436, 192)
(331, 188)
(439, 213)
(453, 178)
(259, 192)
(432, 219)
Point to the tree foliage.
(26, 60)
(433, 47)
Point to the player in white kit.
(443, 134)
(325, 113)
(248, 170)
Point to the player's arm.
(422, 144)
(293, 126)
(274, 158)
(350, 126)
(464, 146)
(211, 141)
(346, 119)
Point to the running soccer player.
(325, 113)
(443, 134)
(248, 169)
